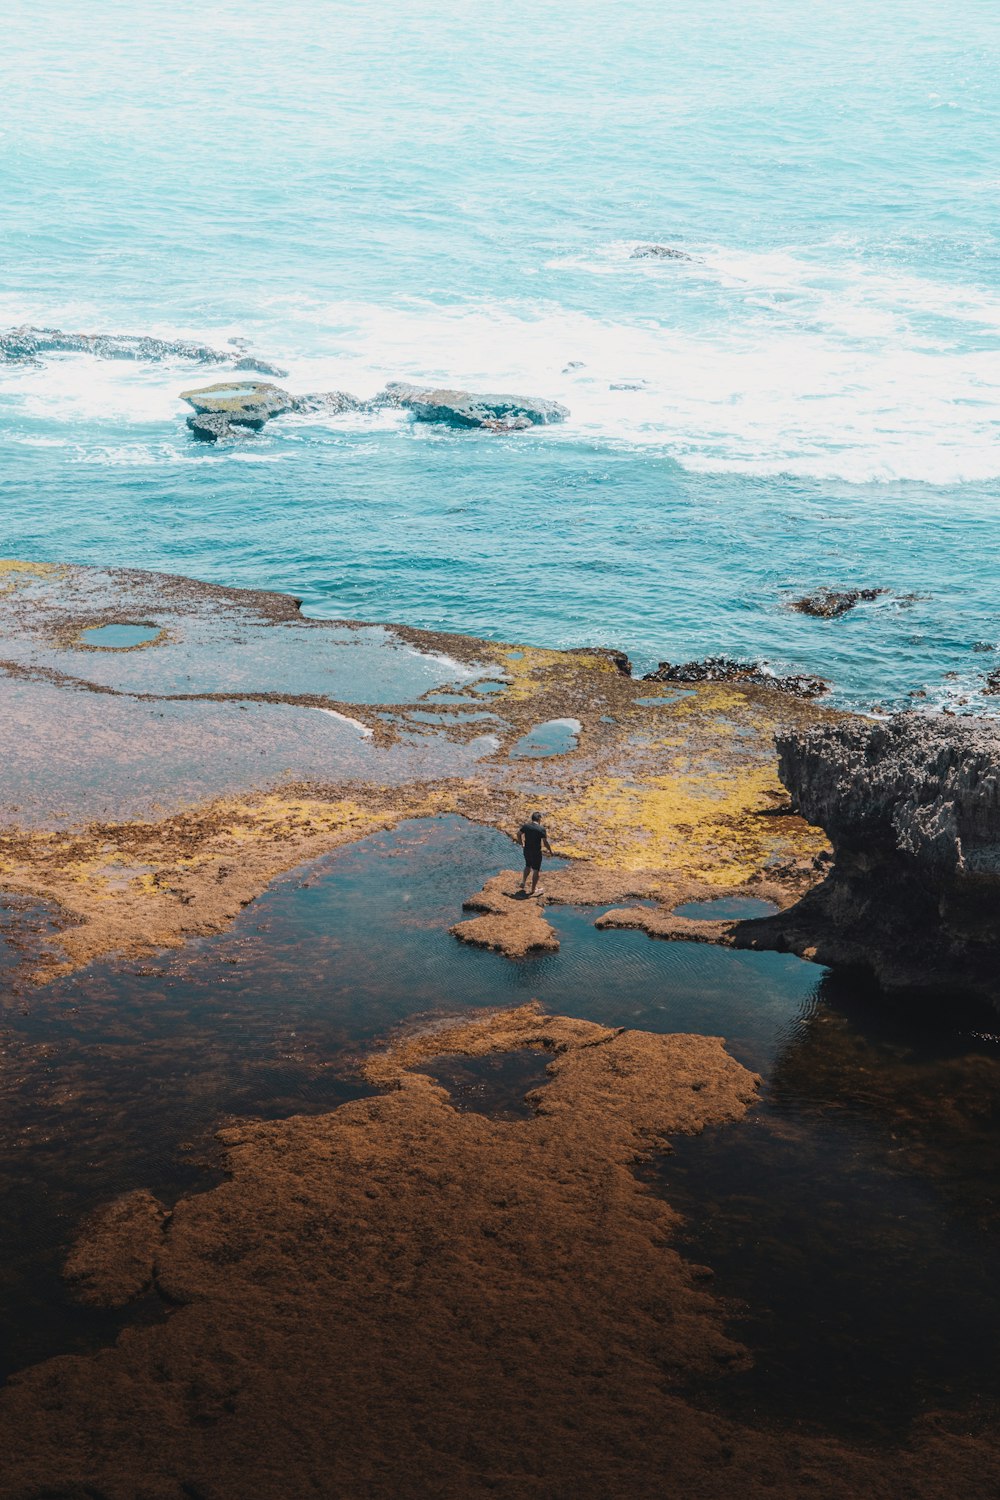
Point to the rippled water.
(812, 399)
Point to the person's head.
(536, 817)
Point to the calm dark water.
(852, 1212)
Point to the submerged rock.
(24, 345)
(912, 809)
(659, 252)
(726, 669)
(222, 409)
(467, 409)
(828, 604)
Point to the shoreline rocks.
(23, 345)
(727, 669)
(220, 409)
(912, 809)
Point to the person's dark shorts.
(533, 860)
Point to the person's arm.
(520, 836)
(548, 846)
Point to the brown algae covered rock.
(511, 923)
(114, 1255)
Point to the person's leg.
(527, 872)
(535, 872)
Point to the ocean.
(452, 196)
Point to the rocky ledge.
(25, 344)
(233, 409)
(911, 806)
(726, 669)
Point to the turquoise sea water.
(452, 195)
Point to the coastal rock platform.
(388, 1286)
(151, 791)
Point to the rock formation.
(232, 409)
(511, 922)
(23, 346)
(659, 252)
(466, 409)
(911, 806)
(725, 669)
(829, 604)
(221, 409)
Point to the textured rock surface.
(26, 343)
(912, 808)
(220, 409)
(829, 604)
(114, 1256)
(511, 922)
(725, 669)
(659, 252)
(467, 409)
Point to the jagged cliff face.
(911, 806)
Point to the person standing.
(533, 838)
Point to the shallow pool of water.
(554, 737)
(726, 909)
(118, 637)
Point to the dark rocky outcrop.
(911, 806)
(829, 604)
(725, 669)
(659, 252)
(230, 409)
(467, 409)
(234, 409)
(24, 345)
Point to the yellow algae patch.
(14, 572)
(132, 888)
(717, 827)
(527, 664)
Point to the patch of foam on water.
(362, 729)
(753, 363)
(823, 385)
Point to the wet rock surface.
(726, 669)
(115, 1253)
(912, 808)
(152, 792)
(455, 408)
(228, 408)
(830, 604)
(659, 252)
(27, 343)
(214, 420)
(511, 922)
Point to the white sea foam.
(362, 729)
(755, 363)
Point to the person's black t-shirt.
(533, 833)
